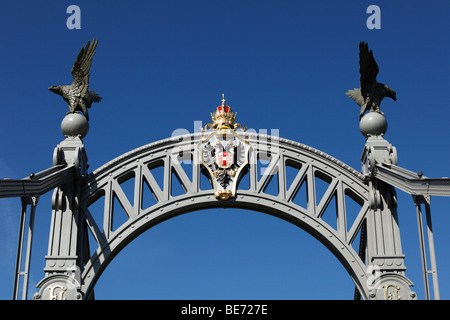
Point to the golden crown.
(223, 116)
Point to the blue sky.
(286, 65)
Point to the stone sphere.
(74, 125)
(373, 124)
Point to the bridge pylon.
(383, 250)
(65, 250)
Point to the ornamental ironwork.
(224, 154)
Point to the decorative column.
(384, 255)
(63, 265)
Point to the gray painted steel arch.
(104, 184)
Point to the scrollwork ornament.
(392, 157)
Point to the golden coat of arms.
(224, 154)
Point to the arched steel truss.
(105, 183)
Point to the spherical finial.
(74, 125)
(373, 124)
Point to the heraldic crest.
(224, 154)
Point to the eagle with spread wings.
(371, 93)
(78, 95)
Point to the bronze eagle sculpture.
(371, 93)
(78, 95)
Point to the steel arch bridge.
(241, 170)
(104, 185)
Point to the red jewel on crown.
(223, 116)
(221, 109)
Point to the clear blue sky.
(161, 65)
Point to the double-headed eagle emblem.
(224, 154)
